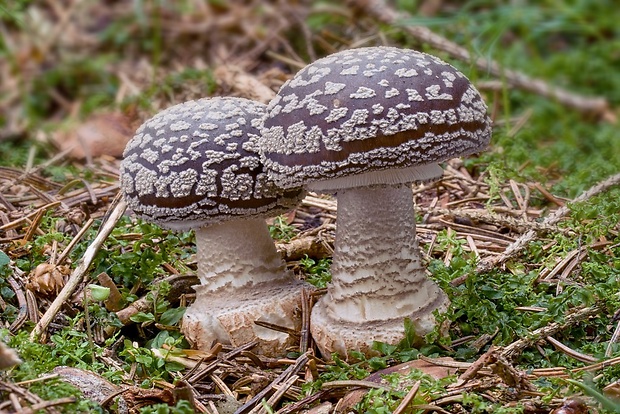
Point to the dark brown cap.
(197, 163)
(371, 109)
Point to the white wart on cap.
(197, 163)
(371, 109)
(196, 166)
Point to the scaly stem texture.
(376, 271)
(238, 253)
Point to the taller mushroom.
(365, 124)
(196, 166)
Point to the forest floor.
(523, 238)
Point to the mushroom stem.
(377, 277)
(238, 253)
(377, 274)
(243, 280)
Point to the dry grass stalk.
(514, 349)
(406, 401)
(569, 351)
(80, 271)
(291, 371)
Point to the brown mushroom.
(365, 124)
(195, 166)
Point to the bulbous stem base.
(377, 277)
(229, 317)
(243, 279)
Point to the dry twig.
(514, 349)
(81, 270)
(381, 11)
(281, 379)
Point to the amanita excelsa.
(365, 123)
(195, 166)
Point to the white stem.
(237, 253)
(243, 280)
(376, 271)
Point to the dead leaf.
(244, 84)
(48, 279)
(140, 397)
(114, 302)
(323, 408)
(101, 134)
(434, 370)
(612, 390)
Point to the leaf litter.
(469, 226)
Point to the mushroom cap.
(371, 109)
(197, 163)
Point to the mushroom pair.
(196, 166)
(365, 124)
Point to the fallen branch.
(310, 246)
(501, 220)
(489, 263)
(514, 349)
(180, 284)
(281, 379)
(382, 12)
(80, 271)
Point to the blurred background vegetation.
(63, 60)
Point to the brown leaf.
(435, 371)
(140, 397)
(101, 134)
(114, 302)
(572, 406)
(612, 390)
(243, 83)
(47, 278)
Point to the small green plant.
(151, 367)
(342, 370)
(379, 401)
(268, 408)
(96, 85)
(317, 271)
(162, 312)
(69, 348)
(385, 400)
(181, 407)
(478, 405)
(280, 230)
(172, 84)
(610, 404)
(5, 291)
(404, 350)
(363, 366)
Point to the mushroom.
(365, 124)
(195, 166)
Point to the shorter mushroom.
(365, 124)
(195, 166)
